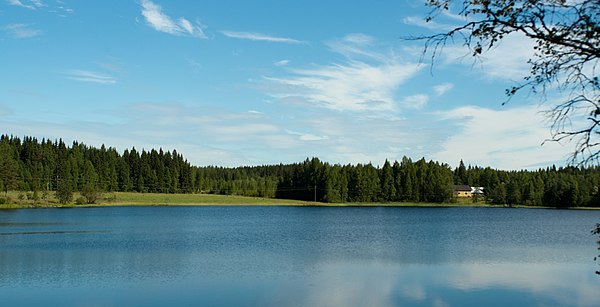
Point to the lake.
(298, 256)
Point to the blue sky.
(260, 82)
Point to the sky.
(234, 83)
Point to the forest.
(39, 167)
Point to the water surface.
(298, 256)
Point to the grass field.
(232, 200)
(125, 198)
(16, 200)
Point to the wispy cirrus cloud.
(348, 138)
(253, 36)
(90, 76)
(351, 87)
(448, 22)
(160, 21)
(419, 21)
(367, 81)
(28, 4)
(416, 102)
(445, 21)
(496, 137)
(441, 89)
(21, 30)
(302, 136)
(282, 63)
(507, 60)
(62, 10)
(358, 46)
(257, 138)
(57, 7)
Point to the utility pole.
(315, 193)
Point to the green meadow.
(17, 200)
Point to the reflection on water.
(281, 256)
(375, 284)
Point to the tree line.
(36, 166)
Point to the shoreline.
(427, 205)
(134, 199)
(4, 207)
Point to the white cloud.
(445, 21)
(90, 76)
(417, 101)
(249, 137)
(359, 39)
(454, 16)
(441, 89)
(506, 139)
(261, 37)
(282, 63)
(242, 138)
(66, 9)
(308, 137)
(358, 46)
(20, 30)
(368, 81)
(31, 4)
(355, 86)
(419, 21)
(363, 139)
(240, 131)
(186, 25)
(161, 22)
(507, 60)
(57, 7)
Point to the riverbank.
(16, 200)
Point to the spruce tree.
(388, 188)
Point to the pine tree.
(388, 188)
(64, 180)
(460, 174)
(9, 168)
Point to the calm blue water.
(294, 256)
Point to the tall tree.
(89, 188)
(9, 168)
(409, 181)
(460, 174)
(566, 36)
(64, 190)
(388, 188)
